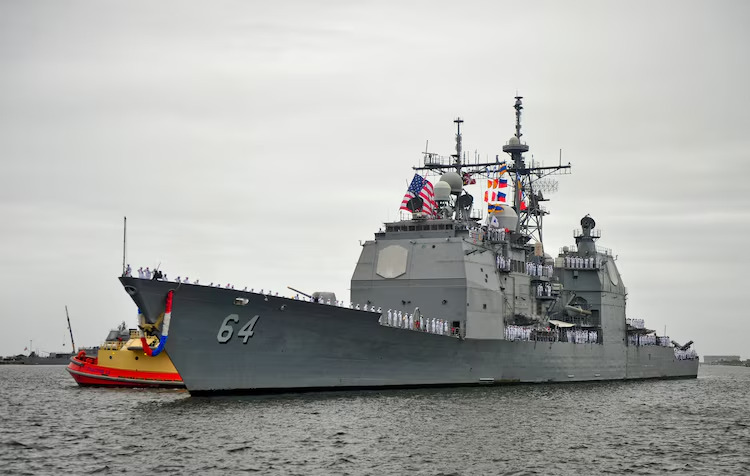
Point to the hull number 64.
(226, 330)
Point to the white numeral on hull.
(226, 330)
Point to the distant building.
(715, 359)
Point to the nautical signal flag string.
(420, 187)
(494, 196)
(519, 186)
(497, 183)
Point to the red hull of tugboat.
(86, 372)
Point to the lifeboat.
(122, 362)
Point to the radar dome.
(514, 141)
(548, 260)
(454, 180)
(442, 191)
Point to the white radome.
(507, 217)
(454, 180)
(442, 191)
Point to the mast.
(459, 147)
(124, 242)
(515, 148)
(70, 330)
(527, 179)
(529, 220)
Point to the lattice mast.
(530, 218)
(529, 215)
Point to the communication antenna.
(459, 146)
(124, 242)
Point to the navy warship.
(452, 294)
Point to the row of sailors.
(648, 339)
(147, 274)
(637, 323)
(544, 289)
(689, 354)
(496, 234)
(535, 269)
(580, 336)
(491, 234)
(517, 333)
(584, 263)
(161, 276)
(503, 263)
(576, 336)
(408, 321)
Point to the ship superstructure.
(448, 295)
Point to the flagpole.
(124, 241)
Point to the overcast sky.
(256, 143)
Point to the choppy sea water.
(48, 425)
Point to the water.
(701, 426)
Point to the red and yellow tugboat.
(123, 362)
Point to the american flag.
(423, 188)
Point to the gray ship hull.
(303, 346)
